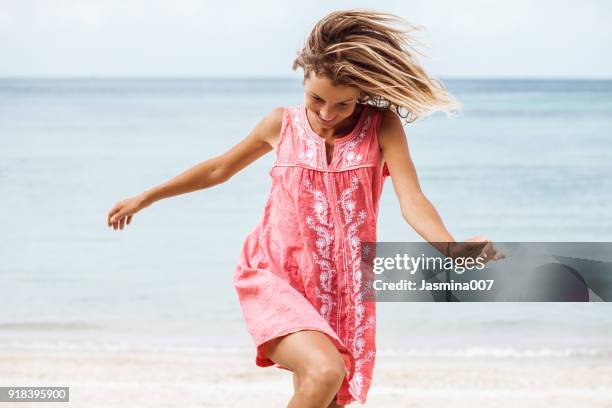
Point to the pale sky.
(467, 38)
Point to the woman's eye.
(318, 99)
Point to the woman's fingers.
(480, 245)
(120, 221)
(115, 218)
(499, 255)
(121, 214)
(112, 215)
(118, 217)
(115, 212)
(486, 250)
(494, 254)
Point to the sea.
(526, 160)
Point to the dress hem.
(267, 362)
(261, 361)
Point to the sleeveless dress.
(299, 268)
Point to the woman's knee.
(328, 373)
(311, 355)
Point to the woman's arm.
(216, 170)
(415, 207)
(221, 168)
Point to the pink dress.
(300, 266)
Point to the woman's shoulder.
(271, 125)
(383, 119)
(277, 122)
(278, 117)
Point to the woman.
(298, 277)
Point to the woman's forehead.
(323, 87)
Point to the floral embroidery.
(361, 323)
(308, 152)
(322, 256)
(349, 154)
(366, 250)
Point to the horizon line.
(285, 78)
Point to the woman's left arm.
(416, 209)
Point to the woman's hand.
(121, 214)
(475, 247)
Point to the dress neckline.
(342, 139)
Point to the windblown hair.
(362, 48)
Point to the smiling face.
(330, 104)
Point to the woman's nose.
(325, 114)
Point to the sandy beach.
(224, 379)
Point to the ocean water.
(527, 161)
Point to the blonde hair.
(360, 48)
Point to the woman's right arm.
(216, 170)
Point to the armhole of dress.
(377, 126)
(284, 123)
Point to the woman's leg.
(316, 362)
(296, 384)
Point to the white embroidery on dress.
(348, 206)
(308, 149)
(322, 256)
(348, 152)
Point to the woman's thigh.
(303, 351)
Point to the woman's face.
(331, 104)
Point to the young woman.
(298, 275)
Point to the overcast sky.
(467, 38)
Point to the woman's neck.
(342, 128)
